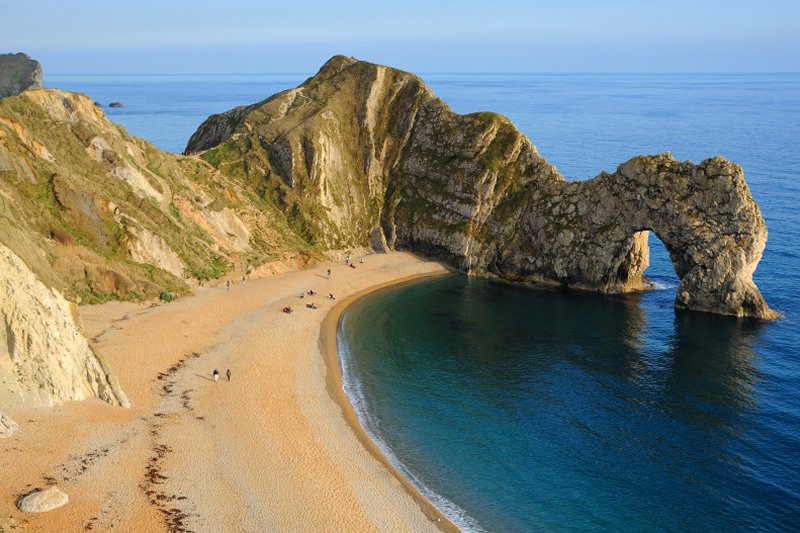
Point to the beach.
(275, 448)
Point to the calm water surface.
(522, 410)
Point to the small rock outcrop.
(7, 426)
(41, 501)
(18, 73)
(364, 154)
(44, 358)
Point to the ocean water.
(533, 410)
(166, 109)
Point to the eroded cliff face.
(364, 154)
(18, 72)
(44, 358)
(101, 215)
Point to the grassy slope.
(66, 211)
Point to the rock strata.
(42, 501)
(18, 73)
(363, 155)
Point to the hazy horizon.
(512, 36)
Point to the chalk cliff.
(44, 358)
(365, 154)
(18, 72)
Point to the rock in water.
(363, 154)
(18, 72)
(41, 501)
(115, 104)
(7, 426)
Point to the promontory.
(362, 154)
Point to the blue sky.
(199, 36)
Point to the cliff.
(18, 72)
(365, 154)
(88, 214)
(100, 215)
(44, 358)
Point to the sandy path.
(269, 451)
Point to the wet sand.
(276, 448)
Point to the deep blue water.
(537, 410)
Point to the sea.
(518, 409)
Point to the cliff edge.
(18, 73)
(365, 154)
(44, 358)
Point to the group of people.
(347, 261)
(216, 374)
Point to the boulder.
(7, 426)
(41, 501)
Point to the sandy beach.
(276, 448)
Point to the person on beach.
(329, 273)
(216, 375)
(361, 260)
(228, 374)
(330, 295)
(347, 260)
(228, 284)
(352, 265)
(311, 292)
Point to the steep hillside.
(44, 358)
(101, 215)
(365, 154)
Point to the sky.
(249, 36)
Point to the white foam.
(354, 391)
(664, 286)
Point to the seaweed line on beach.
(169, 384)
(154, 476)
(152, 486)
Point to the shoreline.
(273, 449)
(328, 342)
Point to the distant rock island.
(18, 72)
(365, 154)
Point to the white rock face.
(44, 358)
(7, 426)
(43, 500)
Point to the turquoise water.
(520, 410)
(543, 410)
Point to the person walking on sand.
(228, 374)
(216, 375)
(329, 273)
(228, 284)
